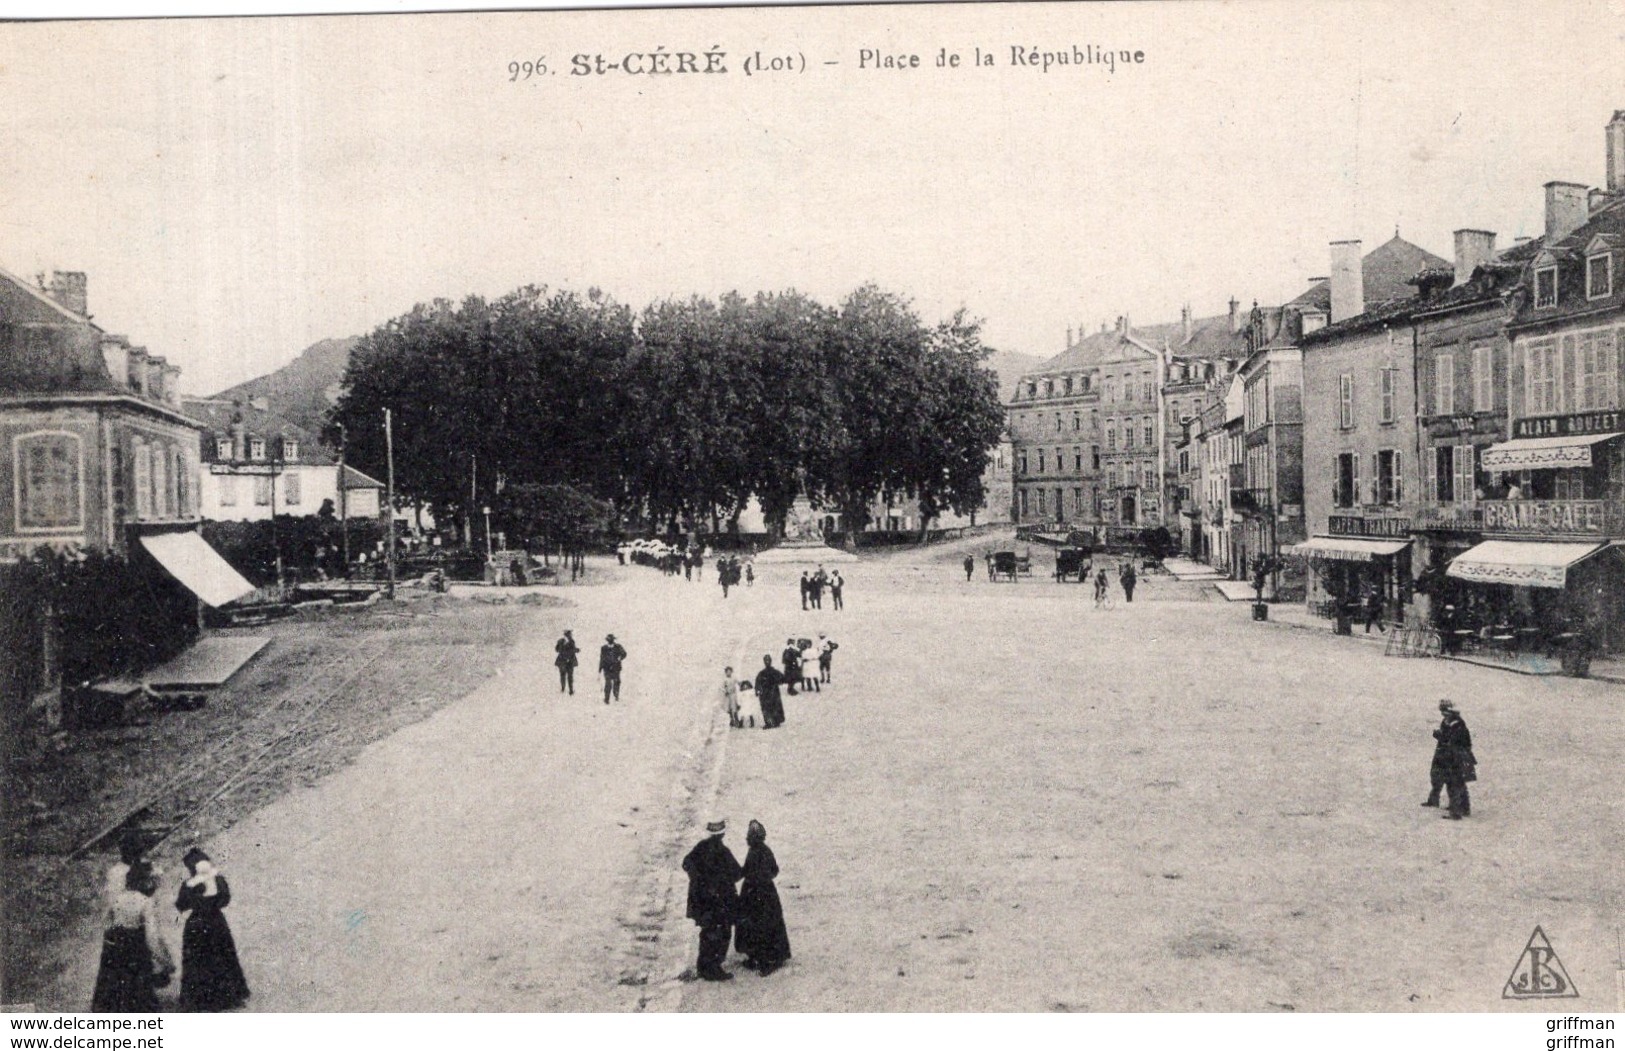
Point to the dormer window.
(1049, 388)
(256, 448)
(1545, 287)
(290, 449)
(1599, 276)
(1032, 390)
(222, 449)
(1069, 384)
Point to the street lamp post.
(276, 538)
(488, 552)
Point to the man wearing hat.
(610, 656)
(712, 872)
(566, 661)
(1453, 762)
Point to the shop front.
(1361, 569)
(1536, 596)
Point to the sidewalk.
(1185, 569)
(1296, 616)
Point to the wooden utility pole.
(344, 501)
(389, 513)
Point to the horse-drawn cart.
(1072, 563)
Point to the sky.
(237, 189)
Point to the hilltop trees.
(682, 412)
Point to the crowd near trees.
(677, 415)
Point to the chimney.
(1185, 318)
(1348, 281)
(1566, 210)
(155, 379)
(1235, 321)
(1122, 324)
(1474, 248)
(138, 370)
(67, 287)
(172, 386)
(1069, 335)
(1616, 152)
(116, 356)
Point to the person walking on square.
(759, 933)
(1373, 608)
(767, 694)
(569, 655)
(750, 574)
(211, 975)
(807, 661)
(970, 567)
(610, 657)
(1129, 579)
(1102, 586)
(820, 580)
(806, 589)
(791, 658)
(835, 586)
(712, 872)
(730, 697)
(826, 656)
(135, 958)
(1453, 762)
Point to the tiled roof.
(46, 348)
(219, 415)
(1572, 298)
(1386, 271)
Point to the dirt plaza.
(1006, 800)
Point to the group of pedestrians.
(731, 570)
(806, 664)
(136, 959)
(752, 917)
(814, 584)
(611, 656)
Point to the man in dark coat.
(610, 656)
(791, 658)
(970, 567)
(1453, 762)
(835, 586)
(567, 659)
(712, 872)
(767, 694)
(1129, 579)
(806, 589)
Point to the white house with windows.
(256, 464)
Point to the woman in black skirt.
(211, 977)
(135, 958)
(759, 932)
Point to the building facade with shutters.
(256, 464)
(94, 448)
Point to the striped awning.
(1521, 563)
(1543, 454)
(1347, 548)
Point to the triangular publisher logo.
(1538, 974)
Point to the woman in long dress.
(759, 933)
(135, 958)
(211, 976)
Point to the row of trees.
(682, 412)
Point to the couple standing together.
(752, 917)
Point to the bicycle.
(1105, 600)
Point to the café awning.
(1543, 454)
(1347, 548)
(189, 559)
(1521, 563)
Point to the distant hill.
(1011, 366)
(302, 390)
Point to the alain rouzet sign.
(1570, 424)
(1368, 525)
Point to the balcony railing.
(1250, 501)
